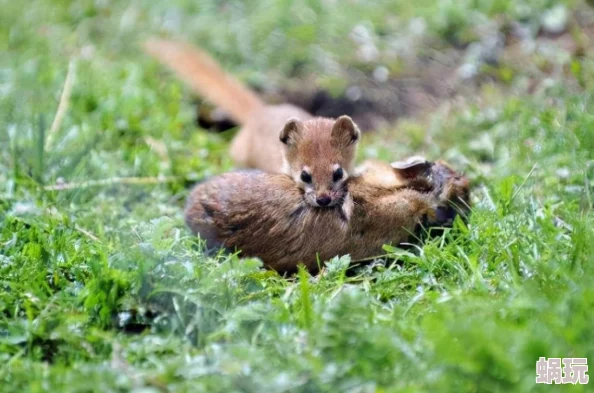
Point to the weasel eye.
(338, 174)
(305, 177)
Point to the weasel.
(263, 214)
(318, 153)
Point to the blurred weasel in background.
(318, 153)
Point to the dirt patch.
(370, 103)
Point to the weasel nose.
(323, 200)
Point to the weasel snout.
(323, 200)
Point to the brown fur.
(388, 211)
(319, 144)
(263, 214)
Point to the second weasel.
(318, 153)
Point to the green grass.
(83, 271)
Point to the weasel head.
(319, 155)
(450, 188)
(453, 192)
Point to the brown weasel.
(318, 153)
(263, 214)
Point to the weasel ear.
(290, 131)
(345, 131)
(411, 167)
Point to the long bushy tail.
(205, 76)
